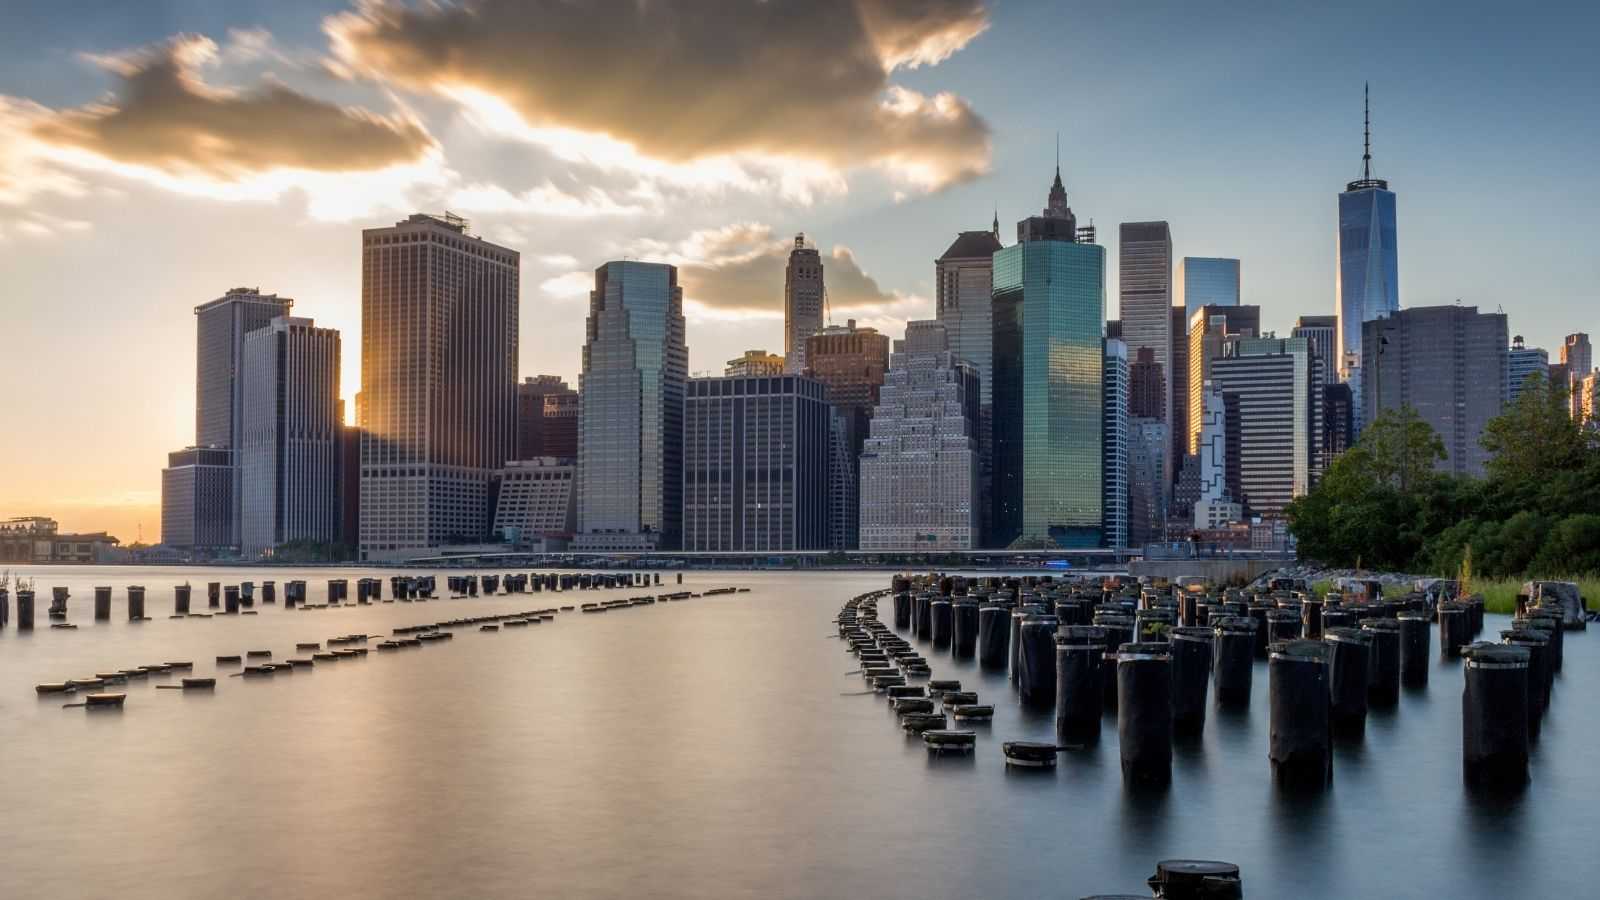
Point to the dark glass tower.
(1367, 279)
(1049, 312)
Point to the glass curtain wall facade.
(630, 434)
(1049, 312)
(1206, 281)
(1367, 279)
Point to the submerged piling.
(1079, 696)
(941, 618)
(1144, 712)
(994, 635)
(1191, 675)
(922, 617)
(24, 610)
(1349, 667)
(1300, 739)
(213, 594)
(180, 600)
(1233, 664)
(1453, 629)
(230, 599)
(1037, 661)
(902, 611)
(1383, 681)
(965, 640)
(102, 604)
(135, 603)
(1415, 635)
(1494, 715)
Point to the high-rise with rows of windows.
(438, 383)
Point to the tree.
(1536, 436)
(1402, 447)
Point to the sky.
(155, 154)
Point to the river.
(703, 749)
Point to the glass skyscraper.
(1367, 278)
(630, 433)
(1206, 281)
(1049, 312)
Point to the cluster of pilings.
(1150, 654)
(241, 598)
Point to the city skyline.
(87, 194)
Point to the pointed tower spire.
(997, 221)
(1366, 131)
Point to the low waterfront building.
(534, 502)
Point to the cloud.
(798, 83)
(737, 271)
(163, 116)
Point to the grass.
(1500, 594)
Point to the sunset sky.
(155, 154)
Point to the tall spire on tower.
(1366, 131)
(997, 222)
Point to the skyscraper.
(547, 418)
(1147, 510)
(851, 361)
(1320, 333)
(1178, 391)
(1367, 277)
(1049, 315)
(1114, 452)
(197, 499)
(964, 292)
(919, 467)
(220, 329)
(1578, 357)
(755, 464)
(630, 436)
(1218, 468)
(1209, 329)
(1269, 380)
(1147, 386)
(438, 382)
(289, 454)
(1144, 266)
(803, 299)
(1205, 281)
(1446, 362)
(1523, 361)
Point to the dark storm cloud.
(685, 79)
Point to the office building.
(851, 362)
(754, 363)
(349, 489)
(1321, 334)
(197, 500)
(1578, 357)
(220, 329)
(755, 464)
(804, 297)
(1144, 265)
(1147, 386)
(1446, 362)
(919, 466)
(1367, 274)
(1210, 328)
(289, 452)
(534, 502)
(630, 434)
(1338, 423)
(1114, 449)
(964, 295)
(1205, 281)
(1589, 400)
(438, 383)
(1217, 462)
(547, 418)
(1147, 511)
(1523, 361)
(1049, 312)
(1269, 380)
(1178, 392)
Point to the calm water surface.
(698, 749)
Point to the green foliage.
(1382, 504)
(306, 551)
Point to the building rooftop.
(973, 245)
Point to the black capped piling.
(1233, 646)
(247, 594)
(1079, 696)
(1415, 655)
(1383, 686)
(135, 603)
(24, 610)
(1311, 618)
(102, 604)
(1337, 617)
(1196, 879)
(1119, 631)
(180, 600)
(1144, 712)
(1191, 648)
(1300, 739)
(1454, 629)
(922, 617)
(994, 635)
(1029, 754)
(902, 611)
(1037, 661)
(1258, 614)
(941, 617)
(1349, 665)
(213, 594)
(1282, 625)
(964, 641)
(269, 592)
(230, 599)
(5, 605)
(1537, 643)
(1494, 715)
